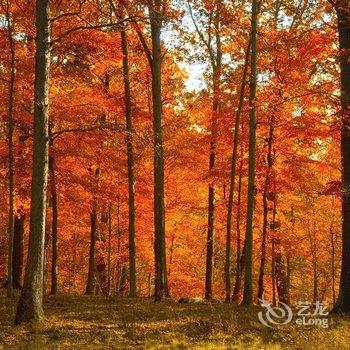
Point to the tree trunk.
(239, 265)
(52, 177)
(30, 303)
(118, 267)
(156, 13)
(269, 173)
(216, 67)
(273, 271)
(10, 129)
(130, 154)
(102, 277)
(263, 242)
(248, 268)
(166, 275)
(122, 281)
(90, 284)
(281, 277)
(289, 276)
(233, 177)
(313, 248)
(18, 249)
(109, 249)
(280, 280)
(343, 12)
(332, 241)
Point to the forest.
(175, 174)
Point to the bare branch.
(69, 14)
(99, 126)
(200, 34)
(87, 27)
(137, 28)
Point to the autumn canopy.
(175, 149)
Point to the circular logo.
(274, 315)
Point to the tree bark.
(130, 154)
(156, 12)
(30, 303)
(343, 14)
(248, 267)
(10, 129)
(233, 178)
(239, 254)
(54, 225)
(109, 249)
(90, 284)
(269, 170)
(216, 63)
(263, 243)
(273, 270)
(118, 267)
(18, 249)
(332, 241)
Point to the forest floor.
(79, 322)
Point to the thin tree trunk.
(18, 249)
(118, 268)
(90, 284)
(122, 282)
(10, 129)
(273, 270)
(171, 250)
(289, 271)
(156, 13)
(263, 242)
(343, 13)
(130, 154)
(52, 177)
(166, 275)
(331, 237)
(239, 270)
(216, 67)
(109, 249)
(248, 268)
(313, 249)
(280, 273)
(269, 170)
(233, 177)
(30, 303)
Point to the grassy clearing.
(75, 322)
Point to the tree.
(156, 14)
(54, 226)
(210, 37)
(18, 249)
(234, 157)
(10, 130)
(30, 302)
(343, 14)
(130, 154)
(216, 62)
(248, 267)
(90, 283)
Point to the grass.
(79, 322)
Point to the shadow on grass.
(98, 322)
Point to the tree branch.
(200, 34)
(100, 126)
(141, 37)
(88, 27)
